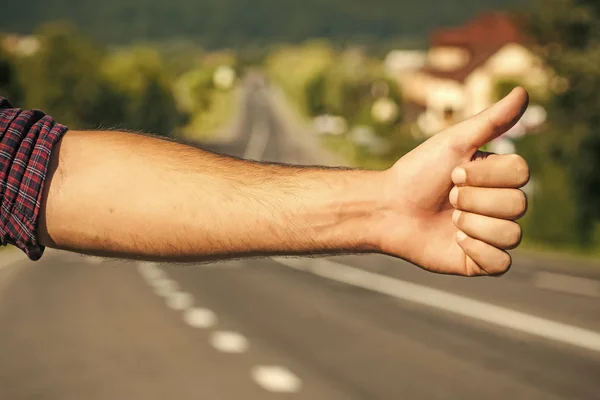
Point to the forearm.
(127, 195)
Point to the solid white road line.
(229, 342)
(200, 318)
(567, 284)
(449, 302)
(276, 379)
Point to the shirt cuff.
(25, 149)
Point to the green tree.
(568, 34)
(62, 79)
(142, 82)
(9, 80)
(350, 87)
(315, 95)
(234, 23)
(83, 86)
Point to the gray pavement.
(349, 327)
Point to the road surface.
(364, 327)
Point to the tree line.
(86, 85)
(234, 23)
(565, 156)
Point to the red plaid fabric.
(27, 138)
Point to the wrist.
(361, 210)
(390, 227)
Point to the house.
(462, 67)
(398, 61)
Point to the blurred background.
(326, 82)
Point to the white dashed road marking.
(449, 302)
(229, 342)
(95, 260)
(271, 378)
(150, 264)
(180, 301)
(200, 318)
(276, 379)
(165, 287)
(151, 273)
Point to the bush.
(554, 216)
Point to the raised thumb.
(486, 126)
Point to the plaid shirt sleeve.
(27, 138)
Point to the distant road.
(352, 327)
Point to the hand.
(451, 208)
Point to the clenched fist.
(451, 208)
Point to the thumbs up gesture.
(451, 208)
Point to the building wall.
(444, 105)
(518, 62)
(513, 60)
(477, 93)
(400, 61)
(447, 58)
(445, 94)
(414, 86)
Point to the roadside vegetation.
(344, 96)
(84, 85)
(218, 24)
(336, 84)
(335, 88)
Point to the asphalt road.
(368, 327)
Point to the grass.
(207, 124)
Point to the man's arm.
(126, 195)
(445, 206)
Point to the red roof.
(492, 29)
(482, 37)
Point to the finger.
(499, 233)
(482, 258)
(492, 202)
(498, 171)
(476, 131)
